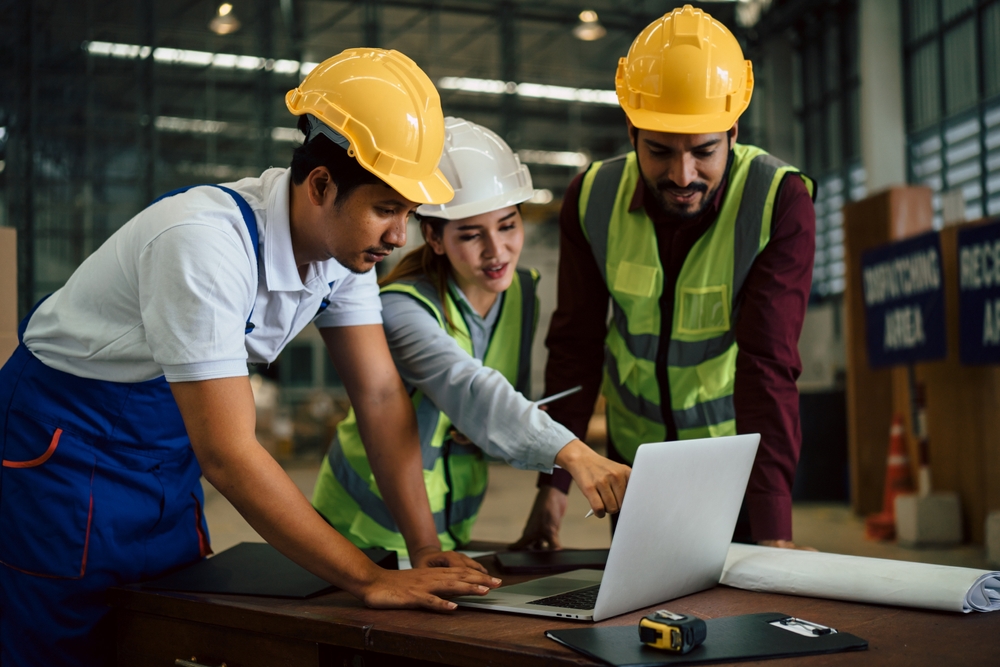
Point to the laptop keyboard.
(583, 598)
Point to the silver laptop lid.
(676, 522)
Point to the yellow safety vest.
(701, 357)
(346, 492)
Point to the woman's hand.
(542, 530)
(601, 480)
(424, 588)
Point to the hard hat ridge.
(486, 174)
(684, 73)
(389, 112)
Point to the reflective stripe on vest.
(455, 492)
(701, 353)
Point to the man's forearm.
(219, 417)
(271, 503)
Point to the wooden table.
(156, 628)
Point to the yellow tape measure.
(672, 632)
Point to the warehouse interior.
(106, 105)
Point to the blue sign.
(904, 301)
(979, 293)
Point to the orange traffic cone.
(882, 526)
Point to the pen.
(588, 514)
(561, 394)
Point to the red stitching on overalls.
(204, 548)
(41, 459)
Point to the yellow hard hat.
(684, 73)
(389, 112)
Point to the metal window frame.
(937, 35)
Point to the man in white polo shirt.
(131, 380)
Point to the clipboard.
(731, 638)
(255, 568)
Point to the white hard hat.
(484, 171)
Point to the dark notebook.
(748, 637)
(551, 562)
(255, 568)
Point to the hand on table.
(601, 480)
(432, 556)
(425, 588)
(784, 544)
(542, 530)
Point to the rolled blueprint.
(858, 579)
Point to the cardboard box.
(8, 292)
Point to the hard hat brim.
(657, 121)
(479, 207)
(435, 189)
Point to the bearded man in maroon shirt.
(704, 249)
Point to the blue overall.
(99, 487)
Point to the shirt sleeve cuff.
(350, 319)
(559, 479)
(770, 517)
(212, 370)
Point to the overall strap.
(248, 219)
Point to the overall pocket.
(46, 499)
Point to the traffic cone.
(882, 526)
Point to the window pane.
(813, 75)
(925, 98)
(300, 362)
(814, 143)
(854, 115)
(831, 57)
(952, 8)
(960, 71)
(991, 49)
(923, 18)
(833, 135)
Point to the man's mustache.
(670, 186)
(381, 249)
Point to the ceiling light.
(536, 90)
(170, 56)
(224, 22)
(541, 196)
(556, 158)
(589, 28)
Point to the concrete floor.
(827, 527)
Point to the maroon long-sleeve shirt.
(773, 305)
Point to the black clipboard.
(551, 562)
(255, 568)
(731, 638)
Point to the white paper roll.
(858, 579)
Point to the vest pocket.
(636, 279)
(46, 499)
(704, 310)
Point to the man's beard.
(660, 189)
(353, 265)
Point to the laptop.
(673, 534)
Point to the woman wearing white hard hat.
(460, 317)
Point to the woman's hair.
(423, 262)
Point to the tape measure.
(666, 630)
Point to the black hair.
(345, 171)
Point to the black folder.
(732, 638)
(551, 562)
(255, 568)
